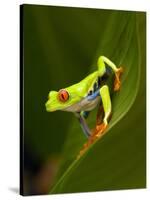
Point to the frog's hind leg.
(100, 127)
(118, 71)
(100, 115)
(106, 103)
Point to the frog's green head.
(64, 98)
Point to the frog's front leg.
(118, 71)
(100, 128)
(83, 124)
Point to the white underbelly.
(83, 105)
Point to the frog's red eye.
(63, 95)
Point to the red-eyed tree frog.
(82, 97)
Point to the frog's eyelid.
(63, 95)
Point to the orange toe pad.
(117, 82)
(100, 129)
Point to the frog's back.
(90, 79)
(94, 82)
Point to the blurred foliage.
(61, 46)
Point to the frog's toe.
(91, 140)
(117, 82)
(117, 85)
(100, 129)
(96, 134)
(83, 150)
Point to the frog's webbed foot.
(96, 134)
(99, 130)
(117, 82)
(85, 147)
(100, 125)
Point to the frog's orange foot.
(85, 146)
(117, 82)
(100, 129)
(97, 133)
(83, 150)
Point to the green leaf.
(117, 160)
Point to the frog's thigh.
(106, 101)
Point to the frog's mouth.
(49, 107)
(52, 106)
